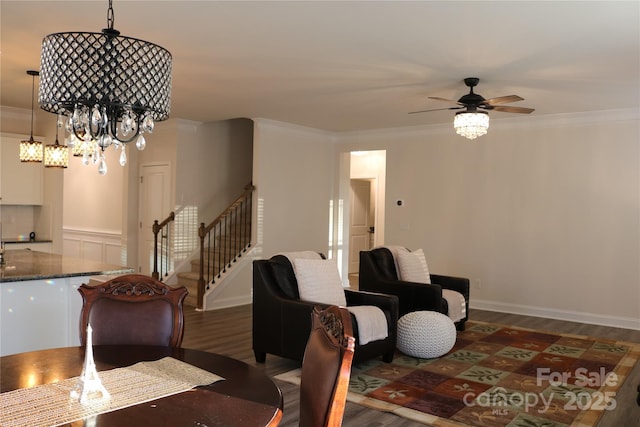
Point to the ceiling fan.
(473, 121)
(471, 102)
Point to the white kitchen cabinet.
(20, 183)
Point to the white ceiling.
(355, 65)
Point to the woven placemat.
(51, 404)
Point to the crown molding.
(275, 124)
(180, 126)
(570, 119)
(184, 125)
(14, 113)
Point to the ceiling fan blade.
(450, 101)
(509, 109)
(436, 109)
(503, 100)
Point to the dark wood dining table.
(246, 396)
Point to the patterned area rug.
(499, 376)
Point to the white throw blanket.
(457, 304)
(372, 323)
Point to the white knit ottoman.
(425, 334)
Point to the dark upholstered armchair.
(378, 274)
(282, 321)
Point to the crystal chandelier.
(111, 88)
(31, 150)
(471, 124)
(56, 155)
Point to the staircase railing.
(174, 240)
(224, 240)
(221, 242)
(164, 248)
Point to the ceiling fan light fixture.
(471, 124)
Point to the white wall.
(92, 201)
(542, 214)
(214, 165)
(94, 208)
(294, 175)
(48, 218)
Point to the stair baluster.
(165, 248)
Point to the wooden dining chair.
(326, 368)
(133, 310)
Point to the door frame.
(339, 247)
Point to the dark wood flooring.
(228, 332)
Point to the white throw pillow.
(319, 281)
(413, 267)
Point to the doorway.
(366, 204)
(155, 191)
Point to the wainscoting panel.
(94, 245)
(115, 253)
(92, 249)
(71, 247)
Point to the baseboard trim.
(229, 302)
(214, 298)
(571, 316)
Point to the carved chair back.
(133, 310)
(326, 368)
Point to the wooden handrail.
(248, 190)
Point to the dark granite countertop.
(25, 264)
(10, 241)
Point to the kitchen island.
(39, 299)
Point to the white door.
(360, 222)
(155, 190)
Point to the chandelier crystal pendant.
(471, 124)
(56, 155)
(111, 88)
(31, 150)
